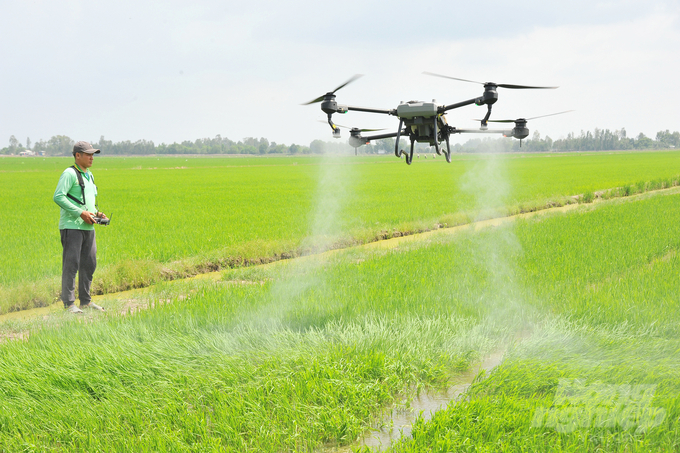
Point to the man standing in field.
(76, 195)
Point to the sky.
(170, 71)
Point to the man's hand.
(88, 217)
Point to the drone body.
(424, 121)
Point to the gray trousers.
(79, 256)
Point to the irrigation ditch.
(396, 422)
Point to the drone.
(425, 121)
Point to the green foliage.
(587, 197)
(597, 140)
(58, 145)
(667, 139)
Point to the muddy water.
(397, 423)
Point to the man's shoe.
(73, 309)
(93, 306)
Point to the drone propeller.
(331, 93)
(355, 139)
(500, 85)
(526, 119)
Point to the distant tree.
(666, 139)
(14, 145)
(28, 143)
(385, 144)
(279, 148)
(106, 145)
(40, 145)
(316, 147)
(643, 142)
(60, 145)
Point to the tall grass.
(293, 356)
(606, 278)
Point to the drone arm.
(392, 112)
(446, 108)
(381, 136)
(504, 132)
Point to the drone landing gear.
(447, 153)
(440, 151)
(445, 132)
(436, 142)
(399, 152)
(396, 143)
(408, 156)
(437, 148)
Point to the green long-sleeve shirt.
(70, 210)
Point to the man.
(76, 225)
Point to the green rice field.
(313, 354)
(175, 217)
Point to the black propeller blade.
(500, 85)
(526, 119)
(330, 93)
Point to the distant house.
(27, 152)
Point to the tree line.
(61, 145)
(597, 140)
